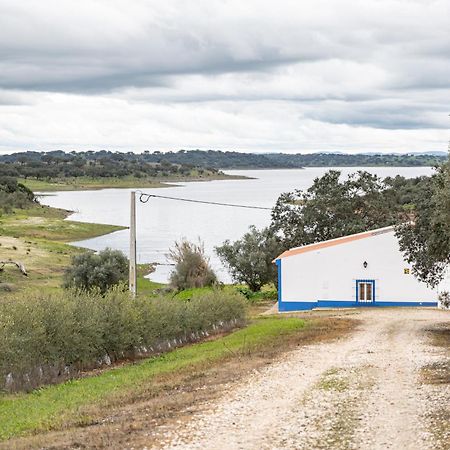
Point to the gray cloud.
(375, 65)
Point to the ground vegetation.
(191, 266)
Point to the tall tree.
(332, 208)
(250, 258)
(425, 240)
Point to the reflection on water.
(160, 222)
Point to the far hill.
(236, 160)
(189, 163)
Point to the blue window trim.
(373, 291)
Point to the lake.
(161, 222)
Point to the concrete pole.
(132, 281)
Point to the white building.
(365, 269)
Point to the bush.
(267, 292)
(14, 195)
(250, 258)
(45, 335)
(97, 271)
(192, 269)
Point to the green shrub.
(249, 259)
(45, 337)
(267, 292)
(14, 195)
(97, 271)
(192, 269)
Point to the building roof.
(333, 242)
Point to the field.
(38, 237)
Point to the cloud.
(253, 75)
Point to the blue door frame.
(373, 291)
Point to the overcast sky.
(247, 75)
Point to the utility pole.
(132, 280)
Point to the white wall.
(331, 273)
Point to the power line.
(144, 198)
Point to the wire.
(144, 198)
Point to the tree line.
(238, 160)
(59, 164)
(102, 164)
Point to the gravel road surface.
(366, 391)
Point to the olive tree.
(97, 271)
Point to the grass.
(86, 183)
(55, 406)
(38, 237)
(146, 287)
(437, 376)
(49, 223)
(332, 380)
(438, 373)
(187, 294)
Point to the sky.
(254, 75)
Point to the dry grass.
(440, 335)
(438, 372)
(171, 398)
(437, 377)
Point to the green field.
(38, 237)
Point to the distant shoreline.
(84, 184)
(346, 166)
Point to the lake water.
(161, 222)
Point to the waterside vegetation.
(58, 170)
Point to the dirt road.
(377, 389)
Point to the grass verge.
(437, 378)
(84, 401)
(438, 372)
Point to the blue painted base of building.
(302, 306)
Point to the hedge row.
(44, 338)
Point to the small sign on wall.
(406, 271)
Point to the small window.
(365, 291)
